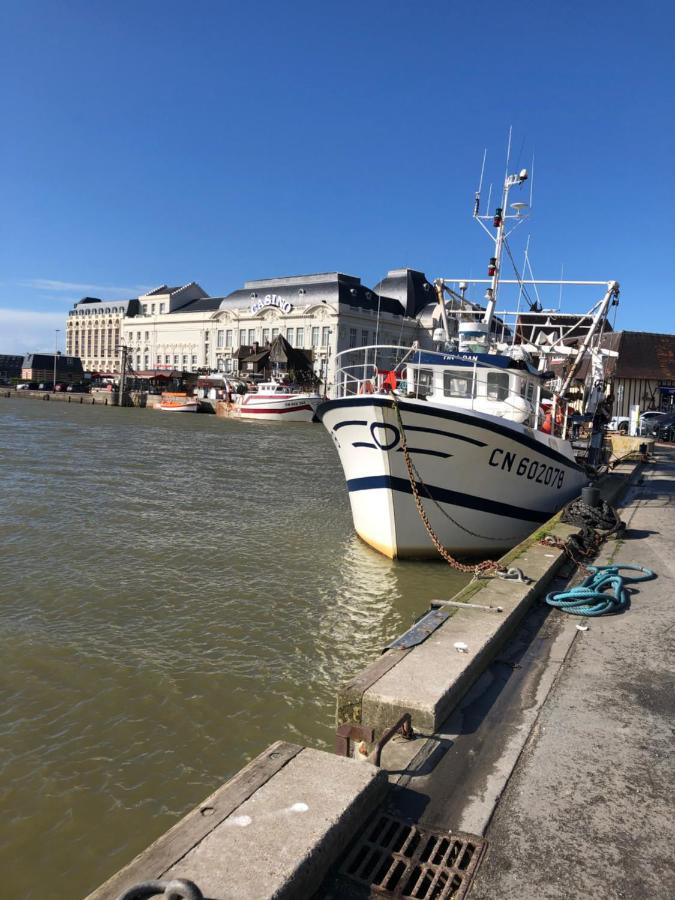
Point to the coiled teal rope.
(602, 592)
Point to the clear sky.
(153, 142)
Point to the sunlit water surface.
(177, 592)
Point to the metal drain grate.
(396, 858)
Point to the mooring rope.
(601, 593)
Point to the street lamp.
(56, 350)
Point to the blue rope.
(601, 593)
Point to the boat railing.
(382, 368)
(363, 370)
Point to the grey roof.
(410, 287)
(202, 304)
(305, 290)
(164, 289)
(94, 303)
(46, 361)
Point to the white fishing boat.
(275, 401)
(461, 428)
(178, 402)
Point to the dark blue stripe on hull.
(443, 495)
(473, 420)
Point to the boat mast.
(499, 222)
(601, 314)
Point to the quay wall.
(95, 398)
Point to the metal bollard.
(590, 496)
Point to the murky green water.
(176, 593)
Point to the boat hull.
(179, 408)
(282, 408)
(485, 483)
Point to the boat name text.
(527, 468)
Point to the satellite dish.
(519, 207)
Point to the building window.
(138, 335)
(300, 338)
(220, 338)
(364, 337)
(146, 362)
(147, 335)
(352, 337)
(161, 308)
(185, 360)
(251, 335)
(159, 360)
(167, 358)
(206, 337)
(325, 336)
(228, 337)
(315, 336)
(275, 333)
(194, 359)
(145, 309)
(290, 335)
(242, 337)
(175, 359)
(265, 335)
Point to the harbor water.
(177, 592)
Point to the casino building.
(182, 328)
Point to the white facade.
(93, 332)
(207, 332)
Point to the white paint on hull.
(488, 476)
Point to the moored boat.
(275, 401)
(176, 401)
(455, 448)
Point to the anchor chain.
(487, 565)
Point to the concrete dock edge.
(273, 830)
(430, 679)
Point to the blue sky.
(154, 142)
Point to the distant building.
(10, 367)
(643, 374)
(93, 332)
(321, 314)
(40, 367)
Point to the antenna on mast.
(508, 153)
(476, 205)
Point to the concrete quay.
(273, 830)
(282, 824)
(588, 810)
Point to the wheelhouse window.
(530, 391)
(458, 384)
(497, 385)
(424, 382)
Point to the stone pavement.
(588, 810)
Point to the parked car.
(78, 389)
(649, 421)
(619, 423)
(26, 386)
(663, 427)
(622, 423)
